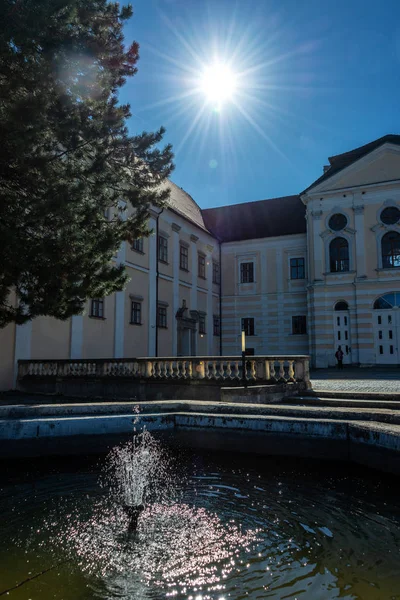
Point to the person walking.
(339, 357)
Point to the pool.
(231, 526)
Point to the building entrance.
(387, 329)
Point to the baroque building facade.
(300, 274)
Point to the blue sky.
(315, 78)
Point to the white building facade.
(300, 274)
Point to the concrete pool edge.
(366, 442)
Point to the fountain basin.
(371, 443)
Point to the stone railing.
(218, 369)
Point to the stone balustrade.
(216, 369)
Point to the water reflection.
(263, 529)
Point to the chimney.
(326, 168)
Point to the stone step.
(341, 402)
(346, 395)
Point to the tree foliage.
(66, 156)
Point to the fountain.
(151, 523)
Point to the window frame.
(385, 208)
(247, 324)
(391, 255)
(135, 311)
(162, 316)
(299, 324)
(297, 267)
(335, 214)
(97, 308)
(183, 258)
(162, 251)
(137, 242)
(247, 273)
(201, 265)
(338, 261)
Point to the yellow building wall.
(7, 349)
(98, 334)
(136, 336)
(50, 338)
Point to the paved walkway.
(357, 380)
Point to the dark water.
(235, 527)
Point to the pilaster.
(175, 293)
(76, 340)
(318, 244)
(23, 342)
(358, 209)
(119, 315)
(193, 291)
(210, 310)
(152, 331)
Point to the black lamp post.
(244, 358)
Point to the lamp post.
(244, 358)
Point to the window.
(202, 323)
(337, 222)
(299, 325)
(201, 266)
(391, 250)
(162, 316)
(388, 301)
(248, 325)
(184, 258)
(217, 325)
(246, 272)
(137, 245)
(297, 270)
(390, 215)
(97, 308)
(341, 305)
(339, 255)
(136, 313)
(215, 272)
(163, 249)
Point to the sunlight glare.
(219, 83)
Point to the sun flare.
(219, 83)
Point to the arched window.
(387, 301)
(391, 250)
(341, 305)
(339, 255)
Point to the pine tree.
(66, 156)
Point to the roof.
(341, 161)
(182, 203)
(260, 219)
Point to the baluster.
(149, 368)
(228, 369)
(171, 369)
(273, 372)
(291, 370)
(236, 370)
(281, 370)
(267, 370)
(184, 372)
(253, 372)
(201, 370)
(214, 369)
(190, 369)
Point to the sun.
(218, 83)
